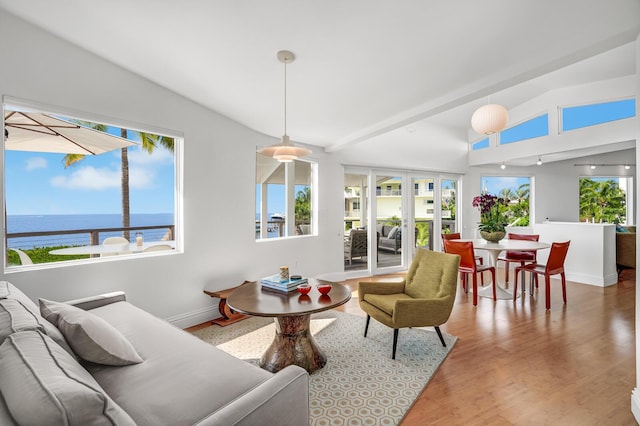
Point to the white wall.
(220, 247)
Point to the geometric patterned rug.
(361, 384)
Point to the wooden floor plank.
(516, 363)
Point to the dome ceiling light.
(489, 119)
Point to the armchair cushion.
(425, 298)
(386, 302)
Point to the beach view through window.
(73, 183)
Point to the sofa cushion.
(4, 289)
(392, 233)
(14, 317)
(9, 291)
(90, 337)
(209, 380)
(43, 385)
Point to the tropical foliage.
(303, 204)
(149, 142)
(602, 201)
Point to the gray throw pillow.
(91, 338)
(43, 385)
(14, 317)
(9, 291)
(392, 233)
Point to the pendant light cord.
(285, 97)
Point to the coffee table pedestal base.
(293, 344)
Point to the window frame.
(178, 153)
(313, 209)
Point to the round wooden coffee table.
(293, 342)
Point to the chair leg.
(515, 284)
(475, 289)
(494, 284)
(395, 343)
(547, 290)
(440, 336)
(564, 288)
(506, 273)
(366, 325)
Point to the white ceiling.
(363, 67)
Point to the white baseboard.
(635, 404)
(189, 319)
(597, 280)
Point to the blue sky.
(494, 184)
(38, 183)
(275, 203)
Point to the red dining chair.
(456, 236)
(554, 266)
(520, 256)
(468, 265)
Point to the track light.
(539, 162)
(627, 167)
(593, 167)
(503, 166)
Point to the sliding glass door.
(396, 212)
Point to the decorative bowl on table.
(324, 288)
(304, 288)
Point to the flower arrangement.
(492, 217)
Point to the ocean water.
(37, 223)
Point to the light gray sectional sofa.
(142, 370)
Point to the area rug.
(361, 384)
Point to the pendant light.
(489, 119)
(285, 151)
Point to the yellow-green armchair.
(423, 299)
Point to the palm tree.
(303, 205)
(149, 142)
(602, 201)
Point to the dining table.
(494, 250)
(98, 249)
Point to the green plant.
(492, 212)
(42, 255)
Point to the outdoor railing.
(29, 240)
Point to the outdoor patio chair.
(355, 245)
(115, 240)
(24, 257)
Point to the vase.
(492, 237)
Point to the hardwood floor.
(519, 364)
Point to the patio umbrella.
(40, 132)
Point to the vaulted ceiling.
(363, 67)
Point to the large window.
(71, 184)
(284, 198)
(516, 189)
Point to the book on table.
(274, 282)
